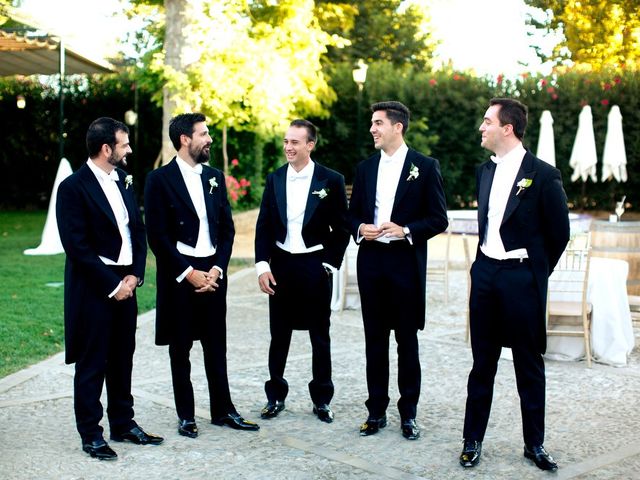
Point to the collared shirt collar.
(186, 168)
(517, 153)
(100, 173)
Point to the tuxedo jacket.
(171, 217)
(88, 229)
(537, 219)
(419, 204)
(325, 219)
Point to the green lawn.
(31, 293)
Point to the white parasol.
(614, 158)
(546, 147)
(583, 155)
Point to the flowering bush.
(236, 188)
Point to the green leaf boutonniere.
(413, 173)
(128, 181)
(321, 193)
(522, 184)
(214, 184)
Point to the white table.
(466, 221)
(612, 338)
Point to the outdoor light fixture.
(21, 102)
(130, 117)
(360, 74)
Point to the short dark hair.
(512, 112)
(103, 131)
(312, 131)
(183, 125)
(396, 113)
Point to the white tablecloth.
(612, 338)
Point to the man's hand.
(212, 281)
(124, 292)
(390, 229)
(370, 231)
(131, 280)
(199, 280)
(265, 281)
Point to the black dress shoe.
(323, 412)
(235, 421)
(100, 450)
(188, 428)
(470, 455)
(540, 457)
(138, 436)
(372, 425)
(272, 409)
(410, 429)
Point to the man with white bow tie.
(191, 232)
(301, 236)
(104, 238)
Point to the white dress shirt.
(204, 247)
(506, 170)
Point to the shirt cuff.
(116, 290)
(220, 270)
(330, 267)
(262, 267)
(359, 237)
(184, 274)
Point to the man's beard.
(113, 160)
(201, 156)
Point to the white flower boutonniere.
(128, 181)
(413, 173)
(321, 193)
(522, 184)
(214, 184)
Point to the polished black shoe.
(138, 436)
(235, 421)
(540, 457)
(372, 425)
(470, 455)
(410, 429)
(323, 412)
(188, 428)
(272, 409)
(100, 450)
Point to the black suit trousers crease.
(105, 356)
(390, 295)
(302, 301)
(202, 316)
(504, 311)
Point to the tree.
(377, 30)
(598, 34)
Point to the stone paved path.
(593, 426)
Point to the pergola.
(44, 55)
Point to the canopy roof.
(20, 55)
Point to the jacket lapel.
(174, 177)
(127, 198)
(403, 183)
(280, 191)
(371, 182)
(95, 191)
(484, 189)
(318, 182)
(210, 192)
(525, 171)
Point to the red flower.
(432, 82)
(604, 102)
(617, 80)
(500, 78)
(551, 90)
(543, 82)
(607, 86)
(457, 77)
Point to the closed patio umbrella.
(614, 158)
(583, 155)
(546, 147)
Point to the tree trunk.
(225, 154)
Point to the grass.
(31, 293)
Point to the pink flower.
(617, 80)
(432, 82)
(499, 79)
(607, 86)
(543, 82)
(551, 90)
(457, 77)
(554, 96)
(234, 162)
(604, 102)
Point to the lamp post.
(359, 77)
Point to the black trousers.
(302, 301)
(390, 297)
(504, 308)
(106, 356)
(203, 318)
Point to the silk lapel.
(486, 179)
(280, 192)
(127, 198)
(403, 183)
(207, 175)
(95, 191)
(174, 177)
(525, 171)
(318, 182)
(371, 182)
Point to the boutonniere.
(413, 173)
(321, 193)
(522, 184)
(214, 184)
(128, 181)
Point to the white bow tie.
(295, 177)
(113, 175)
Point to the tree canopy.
(598, 34)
